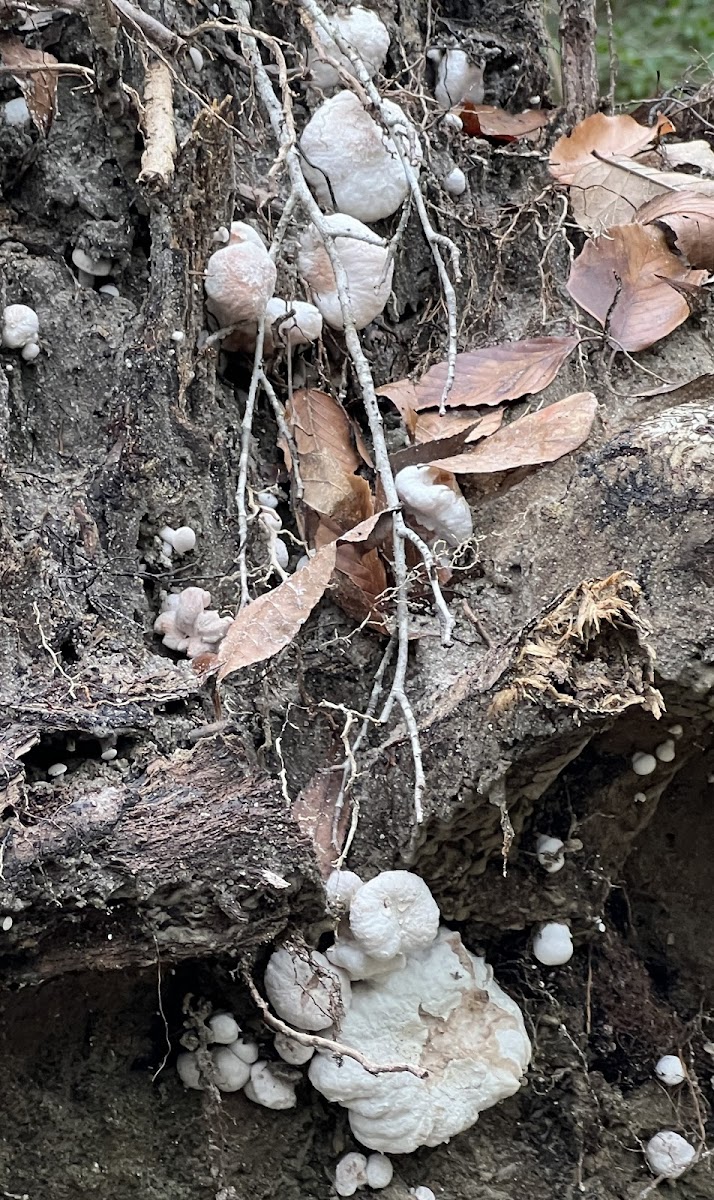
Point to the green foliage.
(668, 39)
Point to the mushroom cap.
(550, 853)
(247, 1052)
(20, 325)
(192, 602)
(669, 1154)
(395, 913)
(184, 539)
(351, 163)
(188, 1072)
(435, 500)
(445, 1013)
(305, 989)
(30, 351)
(379, 1171)
(367, 265)
(666, 751)
(231, 1073)
(553, 944)
(367, 35)
(341, 888)
(16, 112)
(92, 266)
(670, 1070)
(350, 1173)
(241, 231)
(458, 79)
(351, 959)
(423, 1193)
(270, 1089)
(291, 1051)
(240, 279)
(455, 182)
(643, 764)
(292, 322)
(224, 1028)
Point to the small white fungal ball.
(20, 325)
(453, 122)
(56, 770)
(669, 1154)
(553, 944)
(457, 79)
(291, 1051)
(643, 764)
(109, 754)
(178, 336)
(182, 540)
(224, 1028)
(281, 554)
(350, 1173)
(341, 888)
(435, 500)
(267, 1087)
(240, 278)
(92, 266)
(231, 1073)
(676, 731)
(670, 1070)
(455, 182)
(16, 112)
(422, 1193)
(270, 520)
(247, 1052)
(379, 1171)
(6, 924)
(109, 289)
(187, 1067)
(639, 797)
(665, 751)
(550, 853)
(196, 58)
(266, 500)
(30, 352)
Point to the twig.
(46, 646)
(435, 240)
(152, 29)
(246, 431)
(322, 1043)
(158, 159)
(284, 432)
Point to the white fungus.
(352, 164)
(670, 1070)
(223, 1028)
(395, 913)
(15, 112)
(20, 326)
(196, 59)
(178, 336)
(444, 1013)
(266, 500)
(269, 1087)
(109, 289)
(305, 989)
(379, 1171)
(91, 266)
(367, 36)
(452, 122)
(550, 853)
(665, 752)
(247, 1052)
(422, 1193)
(457, 78)
(341, 888)
(240, 278)
(291, 323)
(188, 1072)
(281, 553)
(231, 1073)
(434, 499)
(186, 623)
(30, 352)
(553, 944)
(676, 731)
(350, 1173)
(455, 182)
(270, 520)
(6, 924)
(56, 770)
(643, 764)
(291, 1051)
(182, 540)
(669, 1154)
(356, 964)
(366, 262)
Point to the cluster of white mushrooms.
(188, 624)
(233, 1064)
(21, 330)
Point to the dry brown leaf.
(541, 437)
(621, 279)
(318, 421)
(38, 87)
(602, 194)
(689, 154)
(497, 373)
(689, 217)
(609, 136)
(361, 580)
(402, 393)
(428, 448)
(489, 121)
(701, 387)
(675, 181)
(332, 492)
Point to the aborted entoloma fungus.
(367, 35)
(21, 330)
(434, 499)
(240, 278)
(187, 624)
(367, 263)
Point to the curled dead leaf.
(443, 435)
(602, 194)
(623, 280)
(689, 218)
(489, 121)
(38, 87)
(540, 437)
(496, 373)
(609, 136)
(697, 153)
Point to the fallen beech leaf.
(402, 393)
(700, 387)
(541, 437)
(690, 218)
(332, 492)
(608, 136)
(38, 87)
(602, 195)
(689, 154)
(318, 421)
(497, 373)
(440, 444)
(621, 279)
(361, 581)
(675, 181)
(489, 121)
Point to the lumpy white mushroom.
(669, 1154)
(240, 278)
(223, 1028)
(271, 1087)
(182, 540)
(341, 888)
(15, 112)
(379, 1171)
(247, 1052)
(643, 764)
(665, 752)
(434, 499)
(20, 326)
(670, 1070)
(291, 323)
(553, 944)
(305, 989)
(395, 913)
(366, 260)
(352, 164)
(366, 34)
(186, 623)
(457, 78)
(291, 1051)
(188, 1072)
(422, 1193)
(89, 264)
(350, 1173)
(455, 182)
(357, 964)
(550, 853)
(231, 1073)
